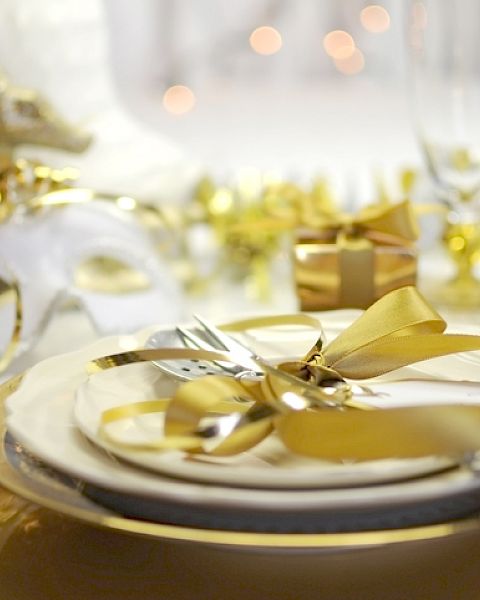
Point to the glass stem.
(464, 266)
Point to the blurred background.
(173, 88)
(204, 115)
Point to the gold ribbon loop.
(394, 223)
(400, 314)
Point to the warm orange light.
(339, 44)
(266, 40)
(178, 99)
(351, 65)
(375, 18)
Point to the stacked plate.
(53, 447)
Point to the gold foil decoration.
(22, 180)
(398, 330)
(249, 223)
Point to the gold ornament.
(27, 118)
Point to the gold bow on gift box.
(344, 260)
(398, 330)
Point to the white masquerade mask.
(94, 254)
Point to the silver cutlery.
(204, 337)
(246, 363)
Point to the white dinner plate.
(267, 465)
(40, 416)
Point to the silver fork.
(215, 339)
(208, 337)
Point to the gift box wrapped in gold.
(351, 261)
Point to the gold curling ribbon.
(10, 292)
(399, 329)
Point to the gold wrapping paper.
(327, 276)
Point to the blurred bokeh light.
(178, 99)
(375, 18)
(339, 44)
(266, 40)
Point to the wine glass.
(445, 89)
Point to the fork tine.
(222, 339)
(191, 340)
(241, 353)
(217, 337)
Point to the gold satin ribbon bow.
(385, 223)
(398, 330)
(394, 224)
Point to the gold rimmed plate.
(41, 420)
(24, 475)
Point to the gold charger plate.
(68, 501)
